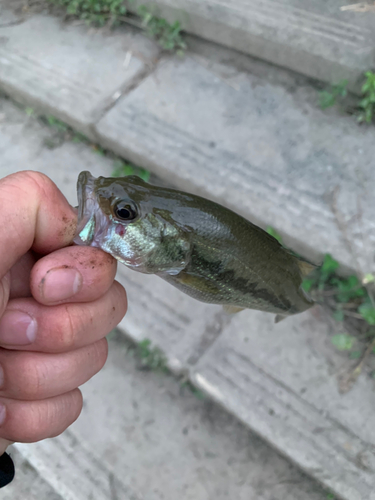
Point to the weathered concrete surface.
(140, 436)
(25, 145)
(281, 380)
(68, 71)
(261, 149)
(313, 38)
(28, 484)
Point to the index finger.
(34, 214)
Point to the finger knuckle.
(33, 379)
(30, 429)
(67, 329)
(100, 353)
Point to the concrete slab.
(313, 38)
(264, 150)
(140, 436)
(281, 380)
(72, 471)
(24, 145)
(28, 484)
(68, 71)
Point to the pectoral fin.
(279, 317)
(232, 309)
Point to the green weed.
(29, 111)
(367, 103)
(97, 12)
(367, 311)
(365, 107)
(151, 358)
(355, 354)
(343, 341)
(328, 98)
(98, 150)
(114, 12)
(167, 35)
(347, 297)
(122, 168)
(272, 231)
(57, 124)
(78, 137)
(194, 390)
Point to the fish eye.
(125, 212)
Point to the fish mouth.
(87, 210)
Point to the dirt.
(17, 11)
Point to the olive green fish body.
(200, 247)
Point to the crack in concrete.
(107, 104)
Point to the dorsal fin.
(306, 267)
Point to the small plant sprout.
(272, 231)
(328, 98)
(368, 278)
(97, 12)
(367, 103)
(167, 35)
(151, 357)
(122, 169)
(338, 94)
(114, 12)
(343, 341)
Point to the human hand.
(54, 310)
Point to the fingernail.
(17, 328)
(61, 283)
(2, 413)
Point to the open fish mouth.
(87, 206)
(92, 226)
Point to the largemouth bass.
(198, 246)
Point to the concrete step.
(251, 137)
(142, 437)
(316, 38)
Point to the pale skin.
(57, 303)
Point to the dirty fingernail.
(17, 328)
(61, 284)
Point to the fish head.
(125, 217)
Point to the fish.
(200, 247)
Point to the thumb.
(34, 214)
